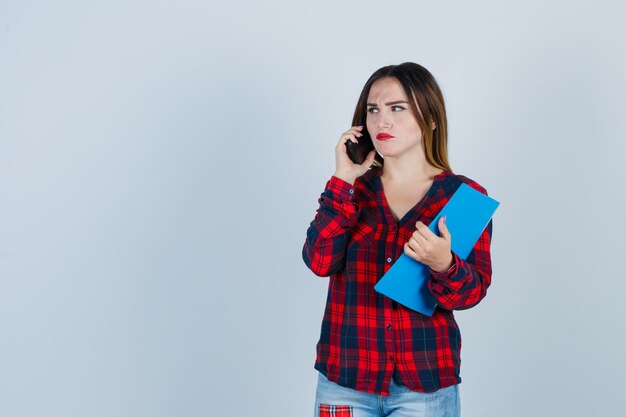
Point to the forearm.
(466, 284)
(327, 235)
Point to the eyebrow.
(389, 104)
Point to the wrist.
(344, 177)
(445, 267)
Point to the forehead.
(386, 89)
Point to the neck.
(408, 169)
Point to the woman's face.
(388, 112)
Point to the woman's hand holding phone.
(345, 168)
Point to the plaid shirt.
(367, 337)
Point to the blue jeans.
(334, 400)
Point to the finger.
(443, 228)
(346, 137)
(416, 242)
(410, 252)
(353, 134)
(424, 231)
(417, 237)
(356, 131)
(369, 160)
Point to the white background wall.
(160, 162)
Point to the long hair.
(420, 87)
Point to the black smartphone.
(357, 152)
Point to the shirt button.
(389, 260)
(389, 327)
(351, 191)
(390, 357)
(393, 228)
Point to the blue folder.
(467, 214)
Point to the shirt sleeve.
(327, 236)
(465, 284)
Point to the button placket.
(394, 229)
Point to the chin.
(386, 149)
(391, 154)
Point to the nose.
(384, 122)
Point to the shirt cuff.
(450, 272)
(344, 190)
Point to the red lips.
(383, 136)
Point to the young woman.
(376, 357)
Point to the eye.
(393, 107)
